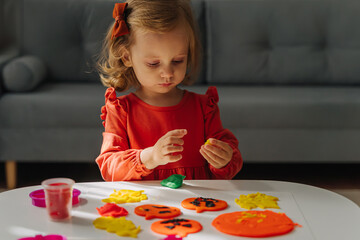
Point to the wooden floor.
(341, 178)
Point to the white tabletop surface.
(324, 215)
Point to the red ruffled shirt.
(132, 125)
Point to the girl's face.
(159, 60)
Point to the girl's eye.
(152, 64)
(178, 61)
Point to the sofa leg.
(10, 167)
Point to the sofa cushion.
(283, 42)
(67, 35)
(55, 122)
(54, 106)
(256, 107)
(78, 106)
(24, 73)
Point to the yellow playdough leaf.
(254, 200)
(120, 226)
(126, 196)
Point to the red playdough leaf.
(112, 210)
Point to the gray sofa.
(287, 72)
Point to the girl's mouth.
(165, 84)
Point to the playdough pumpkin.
(201, 204)
(176, 226)
(254, 223)
(151, 211)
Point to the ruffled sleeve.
(215, 129)
(114, 113)
(117, 162)
(212, 99)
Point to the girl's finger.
(220, 144)
(175, 140)
(172, 148)
(174, 158)
(210, 161)
(176, 132)
(218, 152)
(204, 154)
(211, 158)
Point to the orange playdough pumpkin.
(176, 226)
(201, 204)
(151, 211)
(254, 223)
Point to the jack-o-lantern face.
(151, 211)
(176, 226)
(201, 204)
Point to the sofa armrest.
(6, 55)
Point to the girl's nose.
(167, 72)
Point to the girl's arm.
(219, 168)
(118, 163)
(223, 165)
(223, 155)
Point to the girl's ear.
(126, 59)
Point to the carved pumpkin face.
(176, 226)
(151, 211)
(201, 204)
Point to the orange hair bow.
(120, 27)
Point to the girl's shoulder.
(208, 101)
(114, 105)
(112, 99)
(115, 108)
(211, 96)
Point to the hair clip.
(120, 27)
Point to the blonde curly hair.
(159, 16)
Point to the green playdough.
(174, 181)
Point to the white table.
(324, 215)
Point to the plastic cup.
(58, 197)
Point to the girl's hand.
(166, 149)
(216, 152)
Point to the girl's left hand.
(217, 153)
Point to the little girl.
(159, 129)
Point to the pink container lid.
(38, 197)
(47, 237)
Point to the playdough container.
(58, 197)
(47, 237)
(38, 197)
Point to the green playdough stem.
(174, 181)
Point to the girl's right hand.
(167, 149)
